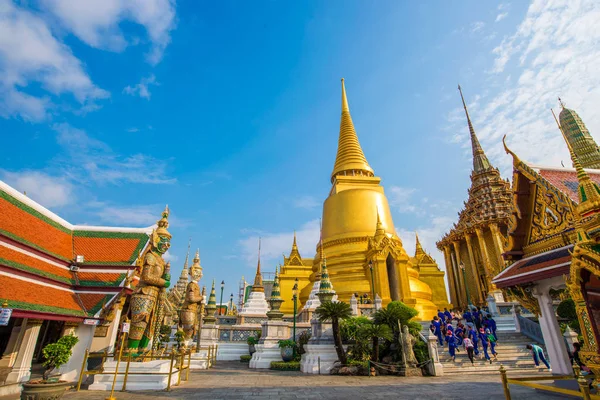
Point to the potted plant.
(55, 355)
(287, 349)
(252, 341)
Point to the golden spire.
(418, 248)
(258, 283)
(350, 158)
(480, 160)
(379, 230)
(589, 192)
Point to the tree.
(57, 354)
(376, 332)
(397, 312)
(334, 312)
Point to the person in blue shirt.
(441, 316)
(492, 341)
(451, 340)
(447, 315)
(538, 354)
(468, 316)
(437, 329)
(475, 339)
(459, 333)
(484, 343)
(477, 318)
(492, 325)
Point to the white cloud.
(477, 26)
(172, 258)
(30, 53)
(91, 159)
(435, 228)
(97, 22)
(306, 202)
(553, 52)
(274, 245)
(49, 191)
(142, 89)
(133, 129)
(501, 16)
(401, 199)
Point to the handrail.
(531, 329)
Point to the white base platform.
(135, 380)
(323, 355)
(199, 360)
(232, 351)
(265, 354)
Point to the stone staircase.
(511, 350)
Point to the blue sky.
(229, 111)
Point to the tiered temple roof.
(41, 264)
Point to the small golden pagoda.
(293, 267)
(578, 138)
(473, 248)
(359, 236)
(430, 273)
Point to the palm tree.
(376, 332)
(334, 312)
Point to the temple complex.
(364, 253)
(473, 248)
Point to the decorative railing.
(531, 329)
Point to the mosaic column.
(474, 270)
(461, 286)
(498, 240)
(451, 276)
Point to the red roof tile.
(108, 247)
(100, 278)
(566, 181)
(23, 262)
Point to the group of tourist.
(479, 328)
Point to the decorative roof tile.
(566, 180)
(114, 248)
(100, 278)
(24, 262)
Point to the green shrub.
(286, 343)
(350, 327)
(285, 366)
(57, 354)
(254, 338)
(421, 351)
(245, 358)
(566, 309)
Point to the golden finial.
(480, 160)
(258, 283)
(509, 151)
(350, 157)
(562, 105)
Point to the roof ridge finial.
(379, 229)
(187, 256)
(562, 105)
(480, 160)
(589, 192)
(418, 247)
(258, 282)
(350, 159)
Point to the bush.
(57, 354)
(285, 366)
(350, 327)
(245, 358)
(286, 343)
(421, 351)
(254, 338)
(566, 309)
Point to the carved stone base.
(138, 379)
(318, 358)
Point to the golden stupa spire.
(258, 282)
(350, 159)
(418, 248)
(589, 192)
(480, 160)
(379, 230)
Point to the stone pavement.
(232, 380)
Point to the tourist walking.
(538, 354)
(451, 345)
(468, 345)
(475, 339)
(484, 343)
(492, 341)
(437, 329)
(447, 314)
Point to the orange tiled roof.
(566, 181)
(108, 247)
(24, 224)
(24, 262)
(94, 301)
(100, 278)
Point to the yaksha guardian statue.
(154, 279)
(188, 316)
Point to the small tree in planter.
(287, 349)
(179, 338)
(55, 355)
(252, 342)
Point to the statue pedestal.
(320, 354)
(199, 361)
(267, 349)
(209, 336)
(138, 377)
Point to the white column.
(553, 339)
(21, 370)
(12, 348)
(85, 334)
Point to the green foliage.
(566, 309)
(376, 330)
(359, 351)
(245, 358)
(286, 343)
(179, 336)
(333, 310)
(285, 366)
(57, 354)
(397, 312)
(349, 327)
(421, 351)
(252, 340)
(355, 363)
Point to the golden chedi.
(358, 233)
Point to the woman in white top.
(468, 344)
